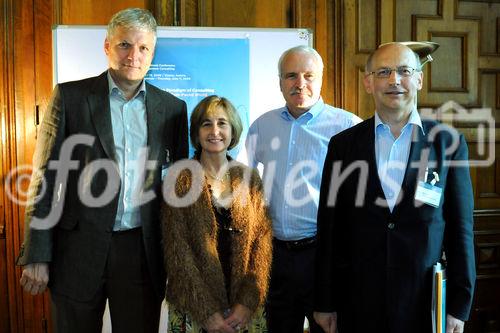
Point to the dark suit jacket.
(77, 246)
(375, 267)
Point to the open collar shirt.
(392, 155)
(292, 152)
(129, 122)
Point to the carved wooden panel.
(188, 12)
(448, 74)
(489, 32)
(448, 27)
(454, 73)
(487, 184)
(32, 85)
(367, 20)
(23, 32)
(361, 19)
(251, 13)
(4, 165)
(182, 13)
(4, 301)
(224, 13)
(165, 12)
(405, 11)
(318, 15)
(485, 315)
(93, 12)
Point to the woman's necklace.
(216, 177)
(218, 186)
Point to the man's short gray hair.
(300, 49)
(132, 18)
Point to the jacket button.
(390, 226)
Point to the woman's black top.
(224, 239)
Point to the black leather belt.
(300, 244)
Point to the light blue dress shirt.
(293, 152)
(128, 119)
(392, 155)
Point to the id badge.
(428, 194)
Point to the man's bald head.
(391, 47)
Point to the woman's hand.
(216, 324)
(238, 317)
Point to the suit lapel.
(417, 161)
(366, 147)
(365, 139)
(155, 123)
(98, 100)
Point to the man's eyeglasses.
(403, 71)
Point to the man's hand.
(35, 278)
(327, 321)
(454, 325)
(239, 317)
(216, 324)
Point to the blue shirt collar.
(308, 115)
(113, 87)
(414, 120)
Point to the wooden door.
(25, 74)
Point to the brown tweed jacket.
(195, 278)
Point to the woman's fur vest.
(195, 278)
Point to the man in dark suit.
(395, 196)
(97, 232)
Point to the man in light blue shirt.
(291, 144)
